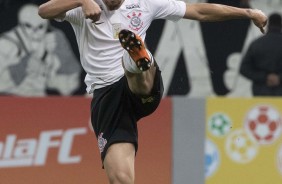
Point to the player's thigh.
(120, 158)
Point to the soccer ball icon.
(264, 124)
(219, 124)
(211, 158)
(240, 147)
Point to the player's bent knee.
(121, 177)
(119, 163)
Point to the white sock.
(130, 65)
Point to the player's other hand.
(259, 19)
(272, 80)
(91, 10)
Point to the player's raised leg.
(138, 63)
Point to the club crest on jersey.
(101, 142)
(136, 22)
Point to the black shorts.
(115, 111)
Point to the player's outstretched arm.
(57, 8)
(217, 12)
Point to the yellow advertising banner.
(244, 141)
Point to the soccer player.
(121, 73)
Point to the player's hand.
(259, 19)
(91, 10)
(273, 80)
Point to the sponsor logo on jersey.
(15, 152)
(148, 100)
(98, 23)
(132, 6)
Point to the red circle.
(269, 137)
(262, 118)
(257, 137)
(252, 125)
(272, 126)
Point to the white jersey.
(99, 47)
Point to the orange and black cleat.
(134, 45)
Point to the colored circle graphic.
(240, 147)
(212, 158)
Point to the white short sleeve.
(74, 16)
(168, 9)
